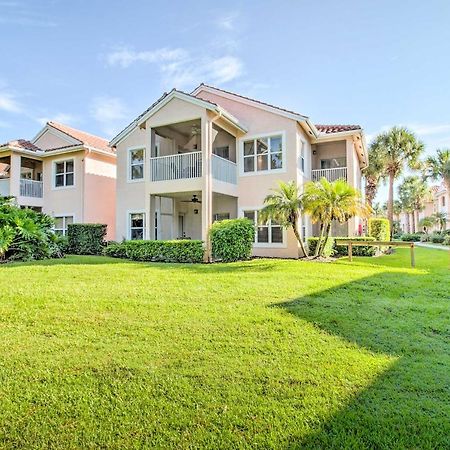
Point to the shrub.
(312, 244)
(447, 240)
(398, 235)
(412, 237)
(86, 238)
(232, 239)
(379, 229)
(26, 234)
(437, 238)
(366, 250)
(182, 251)
(425, 238)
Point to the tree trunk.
(408, 223)
(371, 191)
(319, 241)
(299, 239)
(413, 222)
(390, 209)
(327, 236)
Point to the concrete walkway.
(435, 246)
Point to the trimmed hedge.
(379, 229)
(447, 240)
(232, 239)
(181, 251)
(86, 238)
(312, 244)
(412, 237)
(437, 238)
(366, 250)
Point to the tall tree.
(373, 173)
(284, 206)
(440, 218)
(327, 201)
(438, 167)
(413, 194)
(398, 148)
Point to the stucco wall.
(50, 140)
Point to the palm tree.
(284, 206)
(373, 173)
(426, 223)
(379, 210)
(329, 201)
(413, 194)
(406, 205)
(438, 167)
(398, 148)
(440, 218)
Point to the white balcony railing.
(30, 188)
(176, 167)
(4, 187)
(330, 174)
(224, 170)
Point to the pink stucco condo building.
(191, 159)
(66, 173)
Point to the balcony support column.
(14, 173)
(207, 138)
(351, 180)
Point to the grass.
(102, 353)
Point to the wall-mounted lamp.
(195, 211)
(314, 152)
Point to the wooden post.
(413, 261)
(350, 251)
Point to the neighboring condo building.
(191, 159)
(66, 173)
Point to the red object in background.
(360, 229)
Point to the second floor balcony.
(333, 174)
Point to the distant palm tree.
(373, 173)
(426, 223)
(413, 194)
(438, 167)
(398, 148)
(440, 218)
(379, 210)
(284, 206)
(327, 201)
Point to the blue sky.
(97, 64)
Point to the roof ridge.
(52, 123)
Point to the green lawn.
(102, 353)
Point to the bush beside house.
(379, 229)
(357, 250)
(86, 238)
(232, 240)
(328, 247)
(179, 251)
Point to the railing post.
(350, 251)
(413, 261)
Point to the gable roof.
(21, 144)
(163, 100)
(82, 137)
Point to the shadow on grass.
(397, 314)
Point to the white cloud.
(65, 118)
(9, 102)
(180, 68)
(227, 22)
(109, 112)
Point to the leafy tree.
(438, 167)
(413, 193)
(426, 223)
(398, 148)
(327, 201)
(26, 234)
(284, 206)
(440, 218)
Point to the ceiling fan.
(194, 199)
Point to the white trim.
(240, 155)
(128, 217)
(53, 181)
(129, 150)
(258, 244)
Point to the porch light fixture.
(195, 211)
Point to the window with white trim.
(302, 156)
(61, 224)
(64, 173)
(137, 226)
(136, 158)
(263, 154)
(270, 232)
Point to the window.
(137, 225)
(443, 201)
(221, 216)
(302, 156)
(137, 164)
(266, 233)
(64, 173)
(333, 163)
(223, 152)
(263, 154)
(61, 223)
